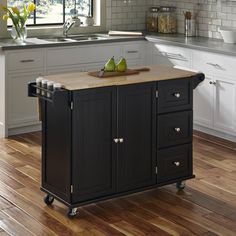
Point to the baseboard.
(3, 133)
(215, 133)
(25, 129)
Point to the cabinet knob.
(177, 163)
(121, 140)
(177, 129)
(177, 95)
(212, 82)
(116, 140)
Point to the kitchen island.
(107, 137)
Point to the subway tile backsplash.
(211, 14)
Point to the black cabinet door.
(94, 152)
(137, 127)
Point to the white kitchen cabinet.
(21, 111)
(203, 103)
(171, 55)
(225, 105)
(22, 66)
(215, 99)
(26, 65)
(134, 53)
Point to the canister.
(167, 20)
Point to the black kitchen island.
(107, 137)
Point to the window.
(49, 12)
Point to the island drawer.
(174, 163)
(174, 128)
(174, 95)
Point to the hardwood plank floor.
(206, 207)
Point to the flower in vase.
(18, 18)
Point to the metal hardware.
(156, 170)
(177, 129)
(71, 189)
(177, 163)
(212, 82)
(216, 66)
(157, 94)
(134, 51)
(174, 56)
(177, 95)
(69, 23)
(116, 140)
(121, 140)
(71, 105)
(27, 61)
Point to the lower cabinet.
(215, 104)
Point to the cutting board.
(116, 73)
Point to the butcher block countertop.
(81, 80)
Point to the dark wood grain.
(206, 207)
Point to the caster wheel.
(180, 185)
(72, 213)
(48, 199)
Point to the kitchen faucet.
(69, 23)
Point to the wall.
(126, 14)
(211, 14)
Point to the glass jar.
(167, 21)
(152, 19)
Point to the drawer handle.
(177, 95)
(177, 163)
(132, 51)
(217, 66)
(177, 129)
(116, 140)
(121, 140)
(27, 61)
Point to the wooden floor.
(206, 207)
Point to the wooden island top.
(81, 80)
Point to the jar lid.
(154, 9)
(44, 81)
(57, 85)
(50, 83)
(39, 79)
(167, 8)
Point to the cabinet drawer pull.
(177, 163)
(177, 95)
(116, 140)
(132, 51)
(177, 129)
(216, 66)
(27, 61)
(121, 140)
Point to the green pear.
(110, 65)
(122, 65)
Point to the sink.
(73, 38)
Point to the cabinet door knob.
(177, 163)
(121, 140)
(177, 129)
(116, 140)
(212, 82)
(177, 95)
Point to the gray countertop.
(10, 44)
(201, 43)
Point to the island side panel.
(56, 146)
